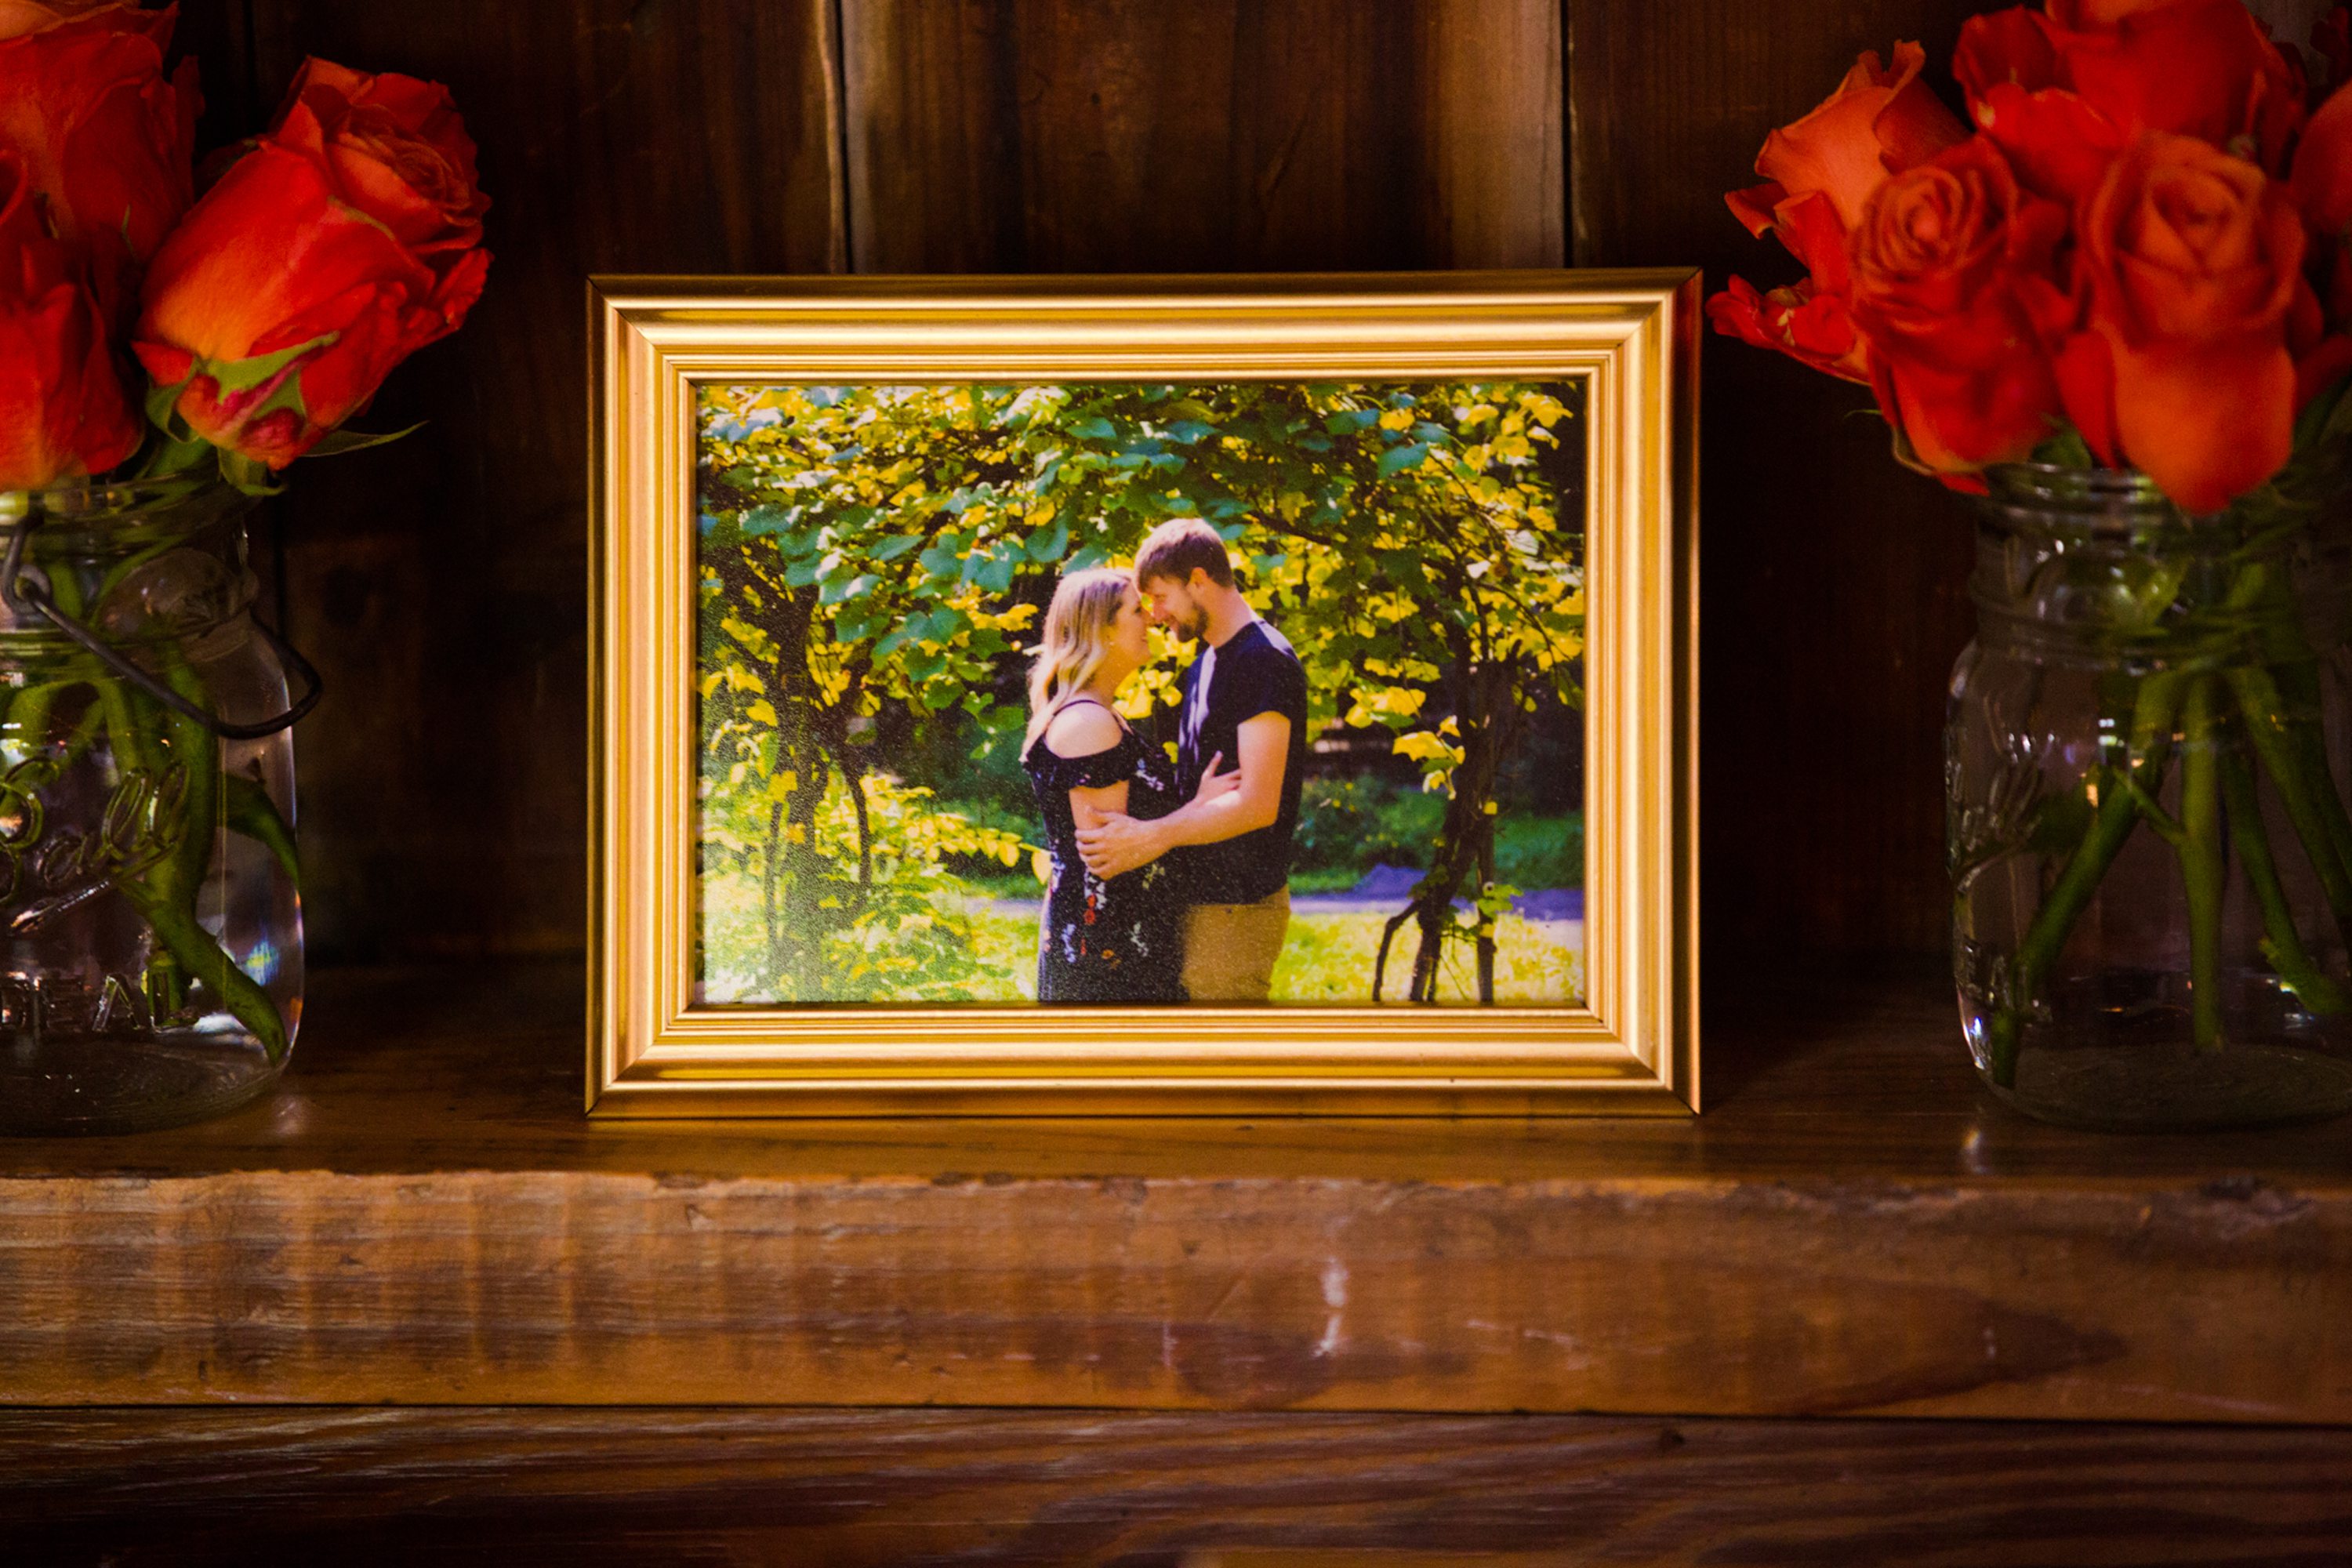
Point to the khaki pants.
(1230, 949)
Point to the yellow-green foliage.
(872, 555)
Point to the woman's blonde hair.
(1071, 649)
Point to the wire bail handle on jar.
(22, 592)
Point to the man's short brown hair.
(1176, 546)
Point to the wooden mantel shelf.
(423, 1216)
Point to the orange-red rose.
(1820, 173)
(62, 412)
(105, 139)
(2193, 263)
(18, 16)
(346, 239)
(2322, 184)
(2321, 178)
(1954, 284)
(1879, 121)
(2197, 68)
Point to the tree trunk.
(807, 888)
(770, 866)
(1485, 926)
(855, 782)
(1487, 717)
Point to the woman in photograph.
(1121, 939)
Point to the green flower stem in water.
(206, 957)
(2298, 684)
(32, 719)
(2282, 944)
(143, 732)
(247, 809)
(2298, 792)
(2153, 710)
(153, 742)
(2202, 868)
(2284, 654)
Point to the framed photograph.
(1144, 696)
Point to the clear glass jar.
(151, 927)
(2147, 833)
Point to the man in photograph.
(1243, 707)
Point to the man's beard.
(1195, 627)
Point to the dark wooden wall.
(440, 583)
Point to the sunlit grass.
(1327, 959)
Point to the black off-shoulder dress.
(1116, 941)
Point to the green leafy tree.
(1412, 544)
(870, 552)
(851, 582)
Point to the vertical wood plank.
(439, 583)
(1498, 144)
(1834, 599)
(1107, 135)
(218, 34)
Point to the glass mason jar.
(150, 930)
(2145, 756)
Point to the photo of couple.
(1134, 695)
(1170, 879)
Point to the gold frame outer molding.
(1632, 1047)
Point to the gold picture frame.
(1630, 1046)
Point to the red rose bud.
(106, 141)
(347, 238)
(62, 412)
(1955, 286)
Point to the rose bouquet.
(2137, 256)
(2113, 301)
(248, 323)
(171, 339)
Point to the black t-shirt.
(1254, 672)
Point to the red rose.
(2322, 179)
(18, 16)
(106, 141)
(1819, 173)
(2322, 184)
(1812, 328)
(2059, 143)
(349, 237)
(1878, 122)
(2197, 68)
(1808, 320)
(2193, 261)
(1953, 284)
(62, 412)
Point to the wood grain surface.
(440, 584)
(1214, 136)
(442, 581)
(1833, 597)
(423, 1217)
(838, 1488)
